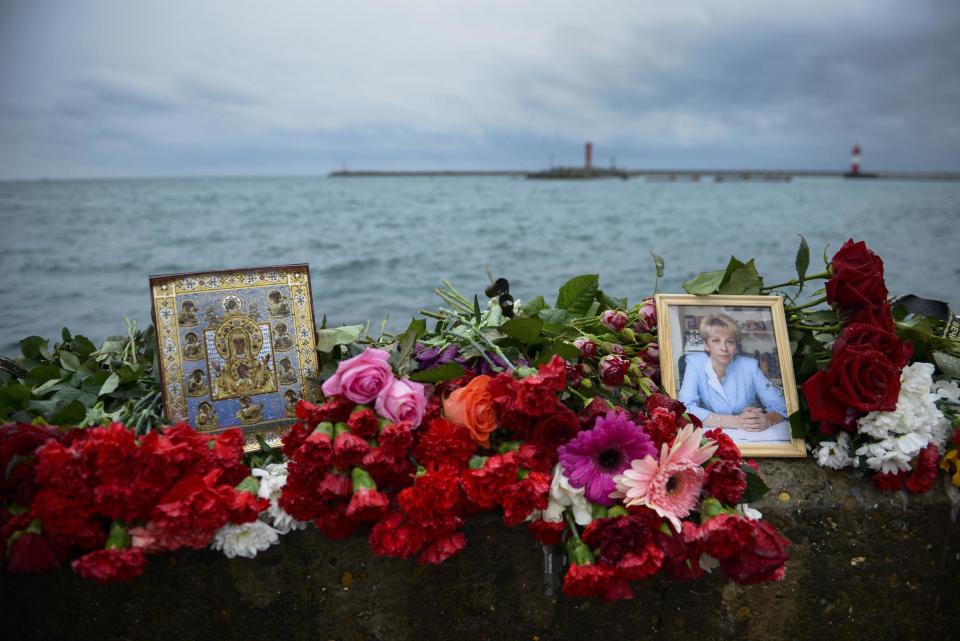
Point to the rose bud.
(648, 317)
(613, 368)
(588, 349)
(614, 320)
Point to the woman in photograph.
(722, 388)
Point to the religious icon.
(288, 375)
(290, 403)
(278, 304)
(197, 385)
(249, 411)
(192, 348)
(240, 343)
(188, 314)
(206, 419)
(282, 341)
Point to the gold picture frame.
(764, 366)
(236, 348)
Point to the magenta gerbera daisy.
(595, 456)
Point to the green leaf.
(802, 261)
(69, 361)
(799, 424)
(947, 363)
(577, 294)
(42, 373)
(46, 387)
(824, 317)
(65, 334)
(705, 283)
(534, 305)
(476, 308)
(565, 350)
(741, 279)
(756, 488)
(609, 302)
(329, 338)
(525, 330)
(16, 392)
(109, 385)
(408, 340)
(445, 372)
(83, 347)
(72, 413)
(554, 316)
(657, 264)
(32, 345)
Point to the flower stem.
(817, 328)
(813, 303)
(796, 281)
(572, 523)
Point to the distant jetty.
(662, 175)
(577, 173)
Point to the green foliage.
(737, 279)
(76, 384)
(439, 374)
(756, 488)
(802, 261)
(328, 338)
(525, 330)
(577, 295)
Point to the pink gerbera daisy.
(671, 485)
(595, 456)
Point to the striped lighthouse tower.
(855, 161)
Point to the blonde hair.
(713, 323)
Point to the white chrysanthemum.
(748, 512)
(272, 479)
(246, 539)
(947, 390)
(836, 454)
(562, 496)
(915, 423)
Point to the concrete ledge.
(863, 567)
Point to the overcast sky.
(120, 88)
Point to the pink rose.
(362, 377)
(402, 400)
(614, 320)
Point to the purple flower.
(429, 357)
(594, 457)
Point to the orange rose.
(472, 407)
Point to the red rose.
(588, 349)
(614, 320)
(879, 316)
(555, 429)
(613, 369)
(857, 279)
(107, 566)
(861, 335)
(761, 559)
(647, 321)
(860, 378)
(725, 481)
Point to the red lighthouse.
(855, 161)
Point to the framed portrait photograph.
(236, 348)
(727, 358)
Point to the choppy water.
(78, 253)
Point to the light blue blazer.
(704, 394)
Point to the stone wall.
(865, 565)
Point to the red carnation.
(364, 423)
(335, 523)
(522, 498)
(367, 505)
(761, 559)
(661, 425)
(886, 482)
(30, 552)
(662, 401)
(436, 492)
(546, 532)
(315, 455)
(18, 443)
(725, 481)
(107, 566)
(593, 410)
(396, 438)
(727, 449)
(294, 438)
(191, 512)
(441, 442)
(721, 536)
(589, 581)
(388, 471)
(441, 549)
(334, 486)
(395, 537)
(246, 507)
(925, 471)
(349, 450)
(484, 486)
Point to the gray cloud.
(104, 88)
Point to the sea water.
(77, 254)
